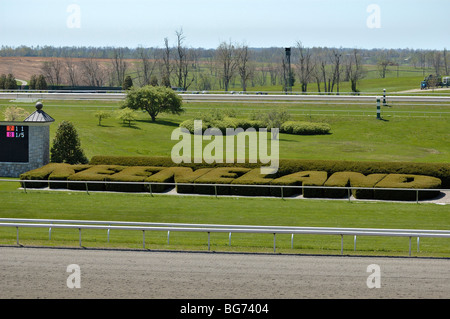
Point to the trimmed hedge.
(253, 177)
(307, 178)
(132, 174)
(239, 180)
(290, 166)
(347, 179)
(305, 128)
(221, 175)
(95, 173)
(407, 181)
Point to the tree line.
(230, 65)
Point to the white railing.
(216, 186)
(214, 228)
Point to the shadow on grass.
(132, 126)
(160, 122)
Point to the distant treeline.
(228, 66)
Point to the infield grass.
(223, 210)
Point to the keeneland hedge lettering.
(230, 180)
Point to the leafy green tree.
(41, 83)
(154, 100)
(127, 115)
(32, 83)
(127, 83)
(101, 115)
(2, 81)
(66, 146)
(10, 83)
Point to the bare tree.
(146, 67)
(183, 62)
(243, 66)
(226, 59)
(119, 65)
(52, 71)
(355, 69)
(71, 70)
(93, 74)
(165, 65)
(304, 65)
(445, 61)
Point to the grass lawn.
(222, 210)
(409, 132)
(405, 134)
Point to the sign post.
(378, 109)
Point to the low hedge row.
(305, 128)
(239, 181)
(289, 127)
(290, 166)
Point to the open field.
(409, 132)
(222, 210)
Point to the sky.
(364, 24)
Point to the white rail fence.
(217, 186)
(214, 228)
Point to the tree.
(305, 67)
(52, 71)
(244, 68)
(154, 100)
(32, 83)
(120, 66)
(183, 62)
(226, 59)
(127, 83)
(10, 83)
(101, 115)
(2, 81)
(66, 146)
(355, 69)
(126, 115)
(41, 83)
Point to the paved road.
(42, 273)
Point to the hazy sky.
(205, 23)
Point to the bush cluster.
(305, 128)
(223, 119)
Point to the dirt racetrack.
(122, 274)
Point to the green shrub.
(354, 179)
(188, 176)
(253, 177)
(95, 174)
(41, 173)
(289, 166)
(62, 173)
(306, 178)
(131, 174)
(221, 175)
(189, 125)
(407, 181)
(305, 128)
